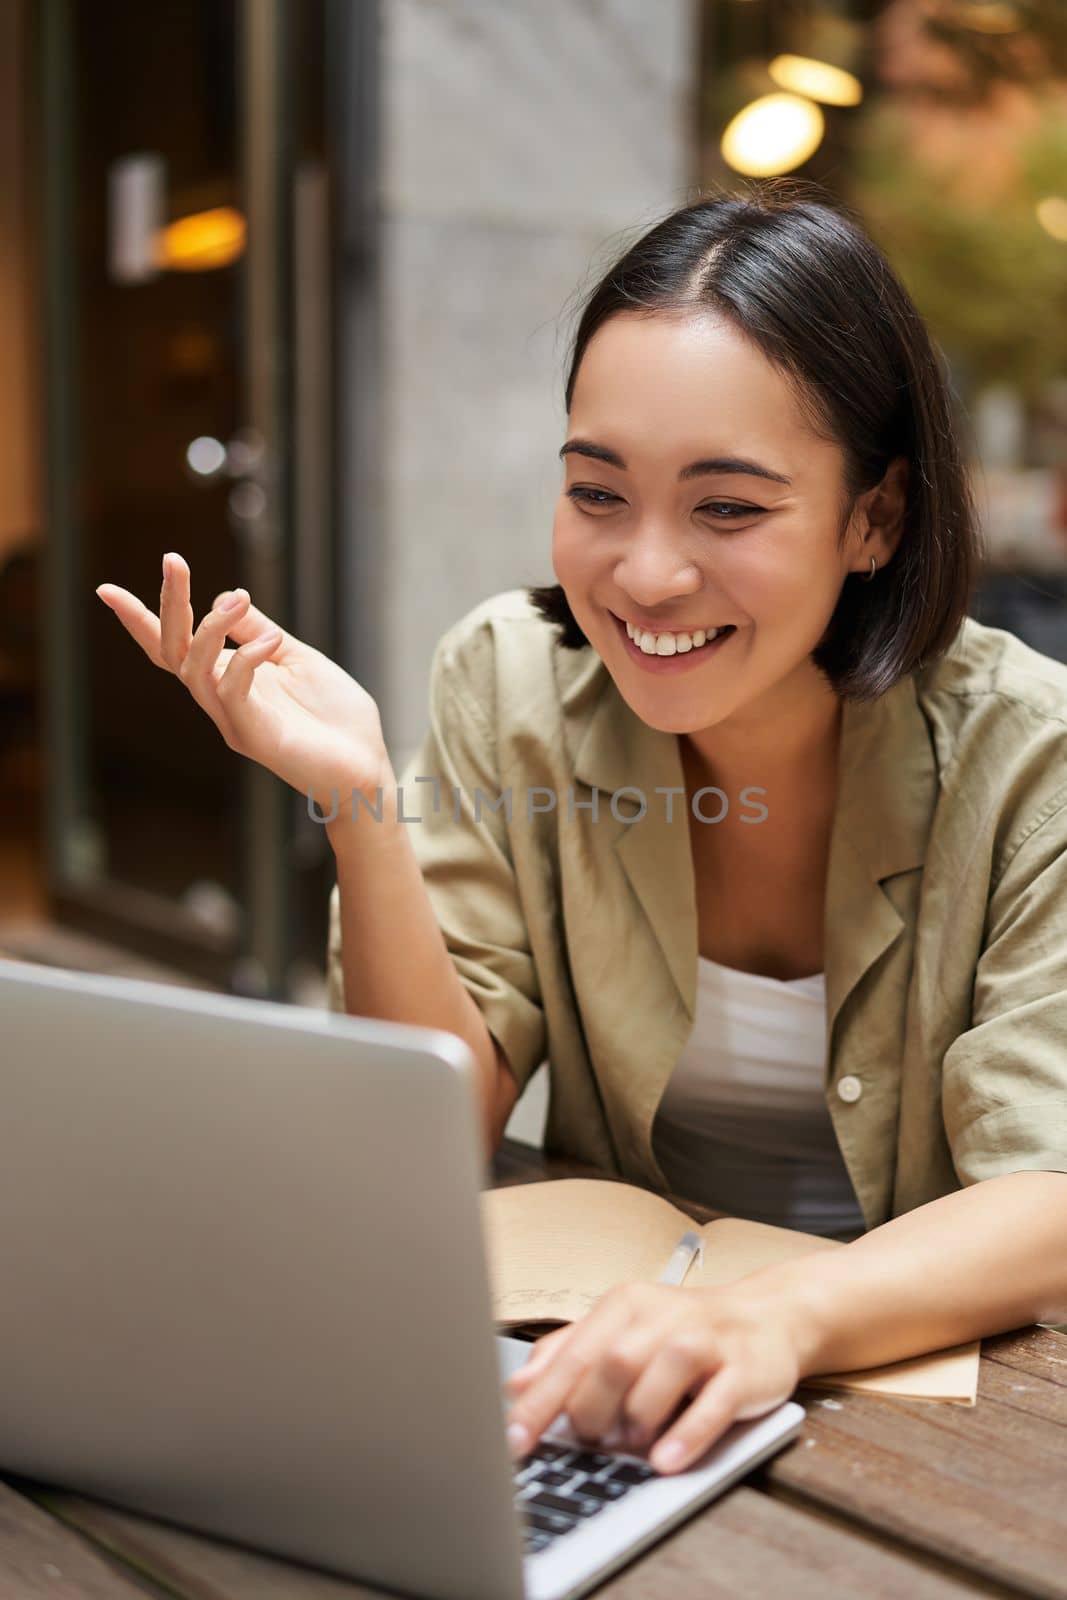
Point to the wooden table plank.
(747, 1543)
(191, 1565)
(982, 1487)
(40, 1557)
(1045, 1358)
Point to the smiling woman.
(844, 1013)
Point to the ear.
(882, 513)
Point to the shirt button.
(849, 1088)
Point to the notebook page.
(555, 1248)
(734, 1247)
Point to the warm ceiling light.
(985, 16)
(204, 240)
(816, 79)
(774, 134)
(1052, 215)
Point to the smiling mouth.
(676, 641)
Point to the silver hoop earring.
(869, 575)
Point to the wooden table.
(876, 1498)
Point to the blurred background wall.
(287, 285)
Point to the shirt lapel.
(887, 793)
(617, 751)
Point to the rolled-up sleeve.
(452, 801)
(1004, 1081)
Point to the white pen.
(690, 1245)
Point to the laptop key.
(629, 1472)
(557, 1477)
(603, 1488)
(534, 1541)
(545, 1451)
(575, 1504)
(589, 1461)
(547, 1521)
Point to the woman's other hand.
(273, 699)
(650, 1355)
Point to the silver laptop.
(245, 1290)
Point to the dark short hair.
(792, 270)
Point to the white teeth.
(669, 644)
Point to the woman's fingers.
(246, 624)
(235, 684)
(175, 611)
(199, 669)
(704, 1422)
(531, 1414)
(220, 686)
(164, 639)
(544, 1347)
(663, 1377)
(140, 623)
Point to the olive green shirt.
(945, 936)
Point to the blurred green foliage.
(988, 278)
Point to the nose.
(654, 567)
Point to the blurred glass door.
(182, 145)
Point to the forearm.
(988, 1258)
(394, 959)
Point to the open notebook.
(555, 1247)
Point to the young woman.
(745, 825)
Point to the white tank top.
(743, 1124)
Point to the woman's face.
(696, 497)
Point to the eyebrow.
(695, 469)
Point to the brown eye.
(593, 497)
(731, 509)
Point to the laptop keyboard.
(558, 1486)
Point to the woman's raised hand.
(273, 699)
